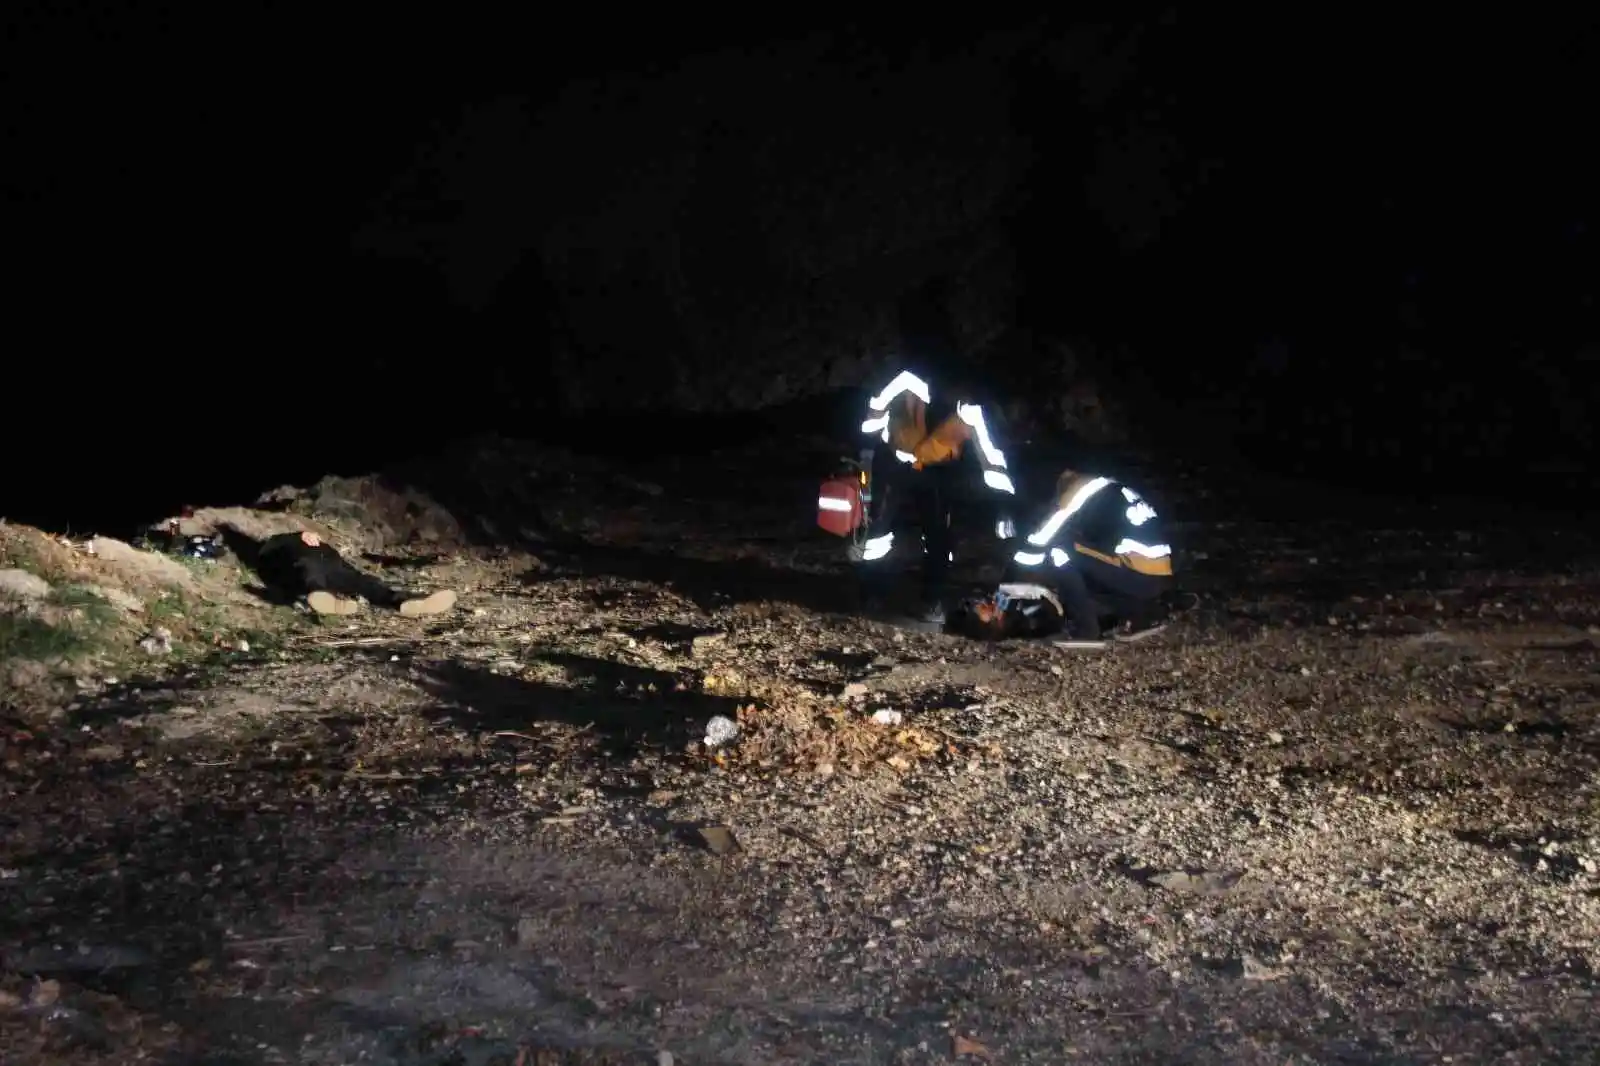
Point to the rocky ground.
(1346, 810)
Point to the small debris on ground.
(718, 839)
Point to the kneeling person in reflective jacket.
(922, 441)
(1102, 549)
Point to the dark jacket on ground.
(290, 566)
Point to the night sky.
(248, 254)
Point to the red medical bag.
(839, 507)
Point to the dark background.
(257, 245)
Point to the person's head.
(1066, 480)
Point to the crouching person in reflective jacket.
(1102, 550)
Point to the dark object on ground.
(1026, 610)
(298, 564)
(172, 542)
(1015, 610)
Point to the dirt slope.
(1346, 811)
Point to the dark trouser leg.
(1083, 612)
(875, 577)
(1127, 594)
(323, 569)
(933, 515)
(277, 564)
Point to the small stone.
(159, 642)
(1205, 882)
(719, 839)
(705, 642)
(854, 690)
(1253, 969)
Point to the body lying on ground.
(1100, 548)
(922, 442)
(299, 564)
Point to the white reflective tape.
(1028, 558)
(872, 425)
(877, 547)
(905, 381)
(972, 415)
(1140, 513)
(1005, 529)
(1046, 533)
(1129, 495)
(1021, 590)
(833, 503)
(1059, 556)
(1149, 551)
(998, 481)
(1009, 593)
(905, 457)
(885, 434)
(952, 557)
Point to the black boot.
(931, 611)
(933, 604)
(872, 591)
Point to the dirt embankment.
(1347, 809)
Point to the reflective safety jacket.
(1098, 518)
(924, 432)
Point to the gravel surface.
(1346, 810)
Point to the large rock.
(139, 565)
(21, 585)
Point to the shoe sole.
(1143, 634)
(438, 603)
(329, 604)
